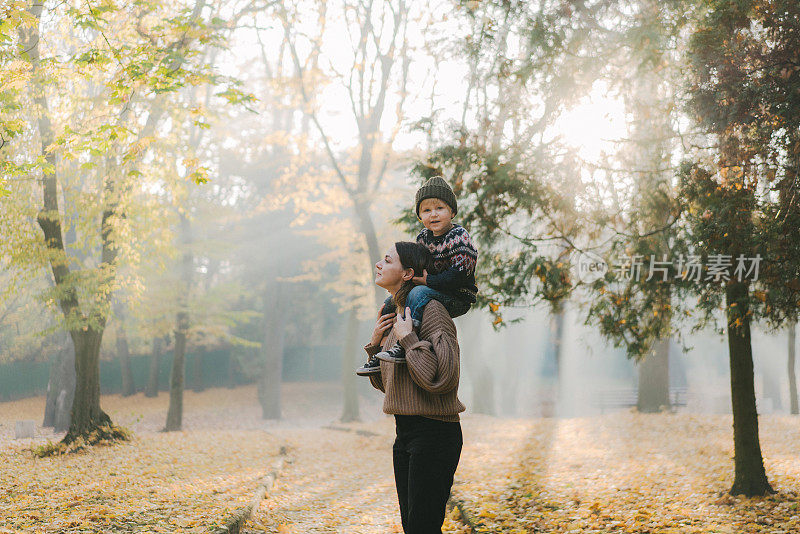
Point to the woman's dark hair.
(412, 256)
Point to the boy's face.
(436, 215)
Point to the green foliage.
(99, 103)
(519, 194)
(743, 88)
(14, 75)
(498, 197)
(738, 77)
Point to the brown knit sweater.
(427, 384)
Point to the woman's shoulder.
(436, 317)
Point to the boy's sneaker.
(396, 354)
(372, 367)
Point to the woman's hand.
(383, 324)
(403, 326)
(421, 280)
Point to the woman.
(421, 393)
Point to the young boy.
(452, 281)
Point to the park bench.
(621, 398)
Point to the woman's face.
(389, 273)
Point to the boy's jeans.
(420, 296)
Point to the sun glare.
(593, 125)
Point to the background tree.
(745, 79)
(96, 136)
(793, 408)
(268, 250)
(505, 187)
(348, 178)
(518, 184)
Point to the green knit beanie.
(437, 187)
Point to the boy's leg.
(416, 300)
(388, 306)
(421, 295)
(457, 307)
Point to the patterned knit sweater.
(427, 384)
(454, 260)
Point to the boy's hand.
(421, 280)
(403, 326)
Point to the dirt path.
(343, 482)
(336, 482)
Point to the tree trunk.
(514, 355)
(197, 371)
(155, 364)
(66, 395)
(53, 387)
(792, 374)
(479, 375)
(654, 379)
(772, 385)
(61, 389)
(269, 392)
(177, 376)
(86, 414)
(483, 391)
(176, 379)
(750, 478)
(552, 364)
(124, 356)
(230, 383)
(556, 340)
(350, 410)
(373, 251)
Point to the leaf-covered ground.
(183, 481)
(187, 481)
(623, 472)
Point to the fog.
(269, 254)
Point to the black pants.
(426, 453)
